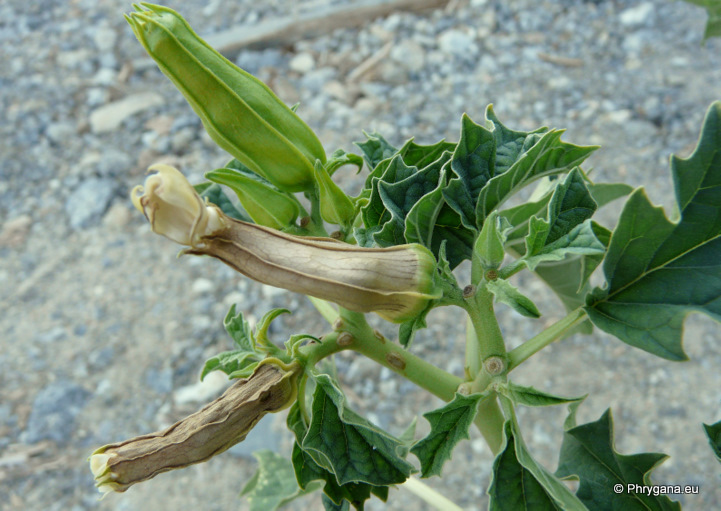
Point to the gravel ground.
(104, 331)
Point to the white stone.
(302, 63)
(201, 286)
(410, 55)
(457, 43)
(104, 38)
(637, 15)
(109, 117)
(212, 385)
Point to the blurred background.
(103, 331)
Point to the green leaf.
(407, 330)
(233, 363)
(340, 158)
(547, 156)
(570, 205)
(520, 483)
(239, 330)
(375, 149)
(713, 432)
(335, 206)
(329, 505)
(529, 396)
(449, 425)
(375, 213)
(570, 421)
(261, 330)
(400, 196)
(273, 484)
(215, 194)
(473, 165)
(307, 471)
(420, 156)
(658, 271)
(713, 23)
(581, 240)
(605, 193)
(509, 143)
(568, 278)
(265, 204)
(505, 292)
(588, 454)
(346, 444)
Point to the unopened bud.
(240, 113)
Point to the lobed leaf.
(449, 425)
(529, 396)
(344, 443)
(273, 484)
(520, 483)
(658, 271)
(713, 432)
(588, 454)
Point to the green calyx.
(265, 204)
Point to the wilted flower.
(395, 282)
(173, 207)
(197, 438)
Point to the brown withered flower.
(395, 282)
(215, 428)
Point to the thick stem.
(488, 333)
(390, 355)
(473, 356)
(553, 333)
(428, 494)
(355, 334)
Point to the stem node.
(494, 365)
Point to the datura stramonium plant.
(395, 282)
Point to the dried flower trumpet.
(218, 426)
(395, 282)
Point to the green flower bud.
(218, 426)
(488, 250)
(335, 206)
(395, 282)
(265, 204)
(241, 114)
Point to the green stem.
(316, 222)
(511, 269)
(391, 355)
(301, 398)
(428, 494)
(473, 356)
(488, 333)
(553, 333)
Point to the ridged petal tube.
(241, 114)
(395, 282)
(218, 426)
